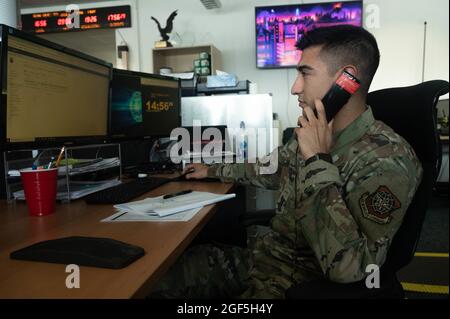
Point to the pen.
(60, 157)
(117, 217)
(177, 194)
(50, 164)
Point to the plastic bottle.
(243, 151)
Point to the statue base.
(163, 44)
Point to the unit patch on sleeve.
(379, 205)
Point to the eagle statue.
(168, 28)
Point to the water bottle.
(242, 142)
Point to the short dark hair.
(345, 44)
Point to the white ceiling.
(25, 4)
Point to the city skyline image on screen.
(278, 28)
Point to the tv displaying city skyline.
(278, 28)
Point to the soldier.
(344, 188)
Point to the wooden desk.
(163, 243)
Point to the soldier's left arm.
(351, 226)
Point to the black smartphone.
(339, 94)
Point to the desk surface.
(163, 243)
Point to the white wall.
(8, 13)
(401, 41)
(231, 29)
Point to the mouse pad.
(82, 251)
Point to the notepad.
(121, 217)
(158, 206)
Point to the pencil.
(59, 157)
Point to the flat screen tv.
(278, 28)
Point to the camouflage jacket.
(332, 220)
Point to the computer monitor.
(50, 95)
(143, 105)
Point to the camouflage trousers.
(206, 271)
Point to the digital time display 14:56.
(84, 19)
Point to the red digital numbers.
(40, 23)
(91, 19)
(59, 21)
(64, 21)
(117, 17)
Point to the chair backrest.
(411, 113)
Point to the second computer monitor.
(143, 105)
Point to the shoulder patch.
(379, 205)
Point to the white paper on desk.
(133, 217)
(77, 189)
(165, 207)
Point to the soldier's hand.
(315, 134)
(196, 171)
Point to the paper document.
(158, 206)
(182, 76)
(16, 173)
(76, 189)
(94, 166)
(134, 217)
(87, 166)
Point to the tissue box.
(217, 81)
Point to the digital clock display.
(62, 21)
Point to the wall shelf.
(181, 59)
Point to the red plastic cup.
(40, 190)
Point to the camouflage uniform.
(332, 220)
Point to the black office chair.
(411, 112)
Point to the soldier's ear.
(353, 70)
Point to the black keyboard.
(125, 192)
(152, 168)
